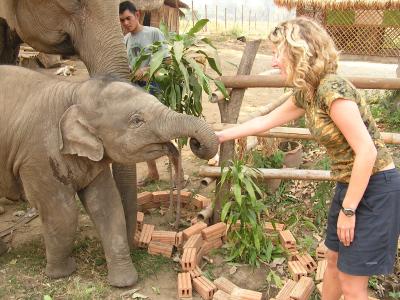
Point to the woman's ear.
(76, 136)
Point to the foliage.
(176, 69)
(275, 161)
(385, 107)
(247, 241)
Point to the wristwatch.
(349, 212)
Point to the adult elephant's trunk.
(203, 143)
(101, 48)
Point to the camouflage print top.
(326, 133)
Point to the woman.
(363, 223)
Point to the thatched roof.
(341, 4)
(173, 3)
(156, 4)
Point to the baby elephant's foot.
(61, 269)
(122, 277)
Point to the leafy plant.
(242, 208)
(176, 69)
(275, 161)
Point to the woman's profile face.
(279, 60)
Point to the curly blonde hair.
(310, 52)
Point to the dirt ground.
(165, 280)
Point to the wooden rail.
(285, 173)
(276, 81)
(304, 133)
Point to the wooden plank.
(276, 81)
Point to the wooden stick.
(285, 173)
(276, 81)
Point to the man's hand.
(345, 228)
(141, 74)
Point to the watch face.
(348, 212)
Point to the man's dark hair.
(127, 5)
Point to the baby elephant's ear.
(76, 136)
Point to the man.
(139, 37)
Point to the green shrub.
(246, 242)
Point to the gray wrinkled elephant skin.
(58, 139)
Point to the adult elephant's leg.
(59, 215)
(9, 44)
(102, 202)
(125, 179)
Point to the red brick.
(212, 232)
(196, 228)
(284, 293)
(161, 196)
(272, 227)
(303, 289)
(322, 264)
(166, 237)
(139, 221)
(204, 287)
(184, 286)
(321, 251)
(225, 285)
(160, 248)
(297, 270)
(287, 239)
(196, 272)
(200, 201)
(189, 259)
(195, 241)
(185, 196)
(307, 261)
(144, 197)
(194, 221)
(246, 294)
(145, 235)
(210, 245)
(179, 239)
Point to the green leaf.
(47, 297)
(310, 225)
(221, 86)
(185, 74)
(156, 61)
(208, 42)
(198, 26)
(164, 30)
(238, 193)
(172, 97)
(214, 65)
(225, 210)
(178, 50)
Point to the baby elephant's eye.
(135, 121)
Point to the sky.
(260, 7)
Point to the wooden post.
(192, 15)
(242, 18)
(225, 18)
(216, 18)
(249, 20)
(229, 111)
(205, 11)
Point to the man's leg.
(331, 288)
(152, 170)
(354, 287)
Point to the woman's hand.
(219, 136)
(345, 228)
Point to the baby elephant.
(58, 139)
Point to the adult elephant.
(89, 28)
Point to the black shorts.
(373, 251)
